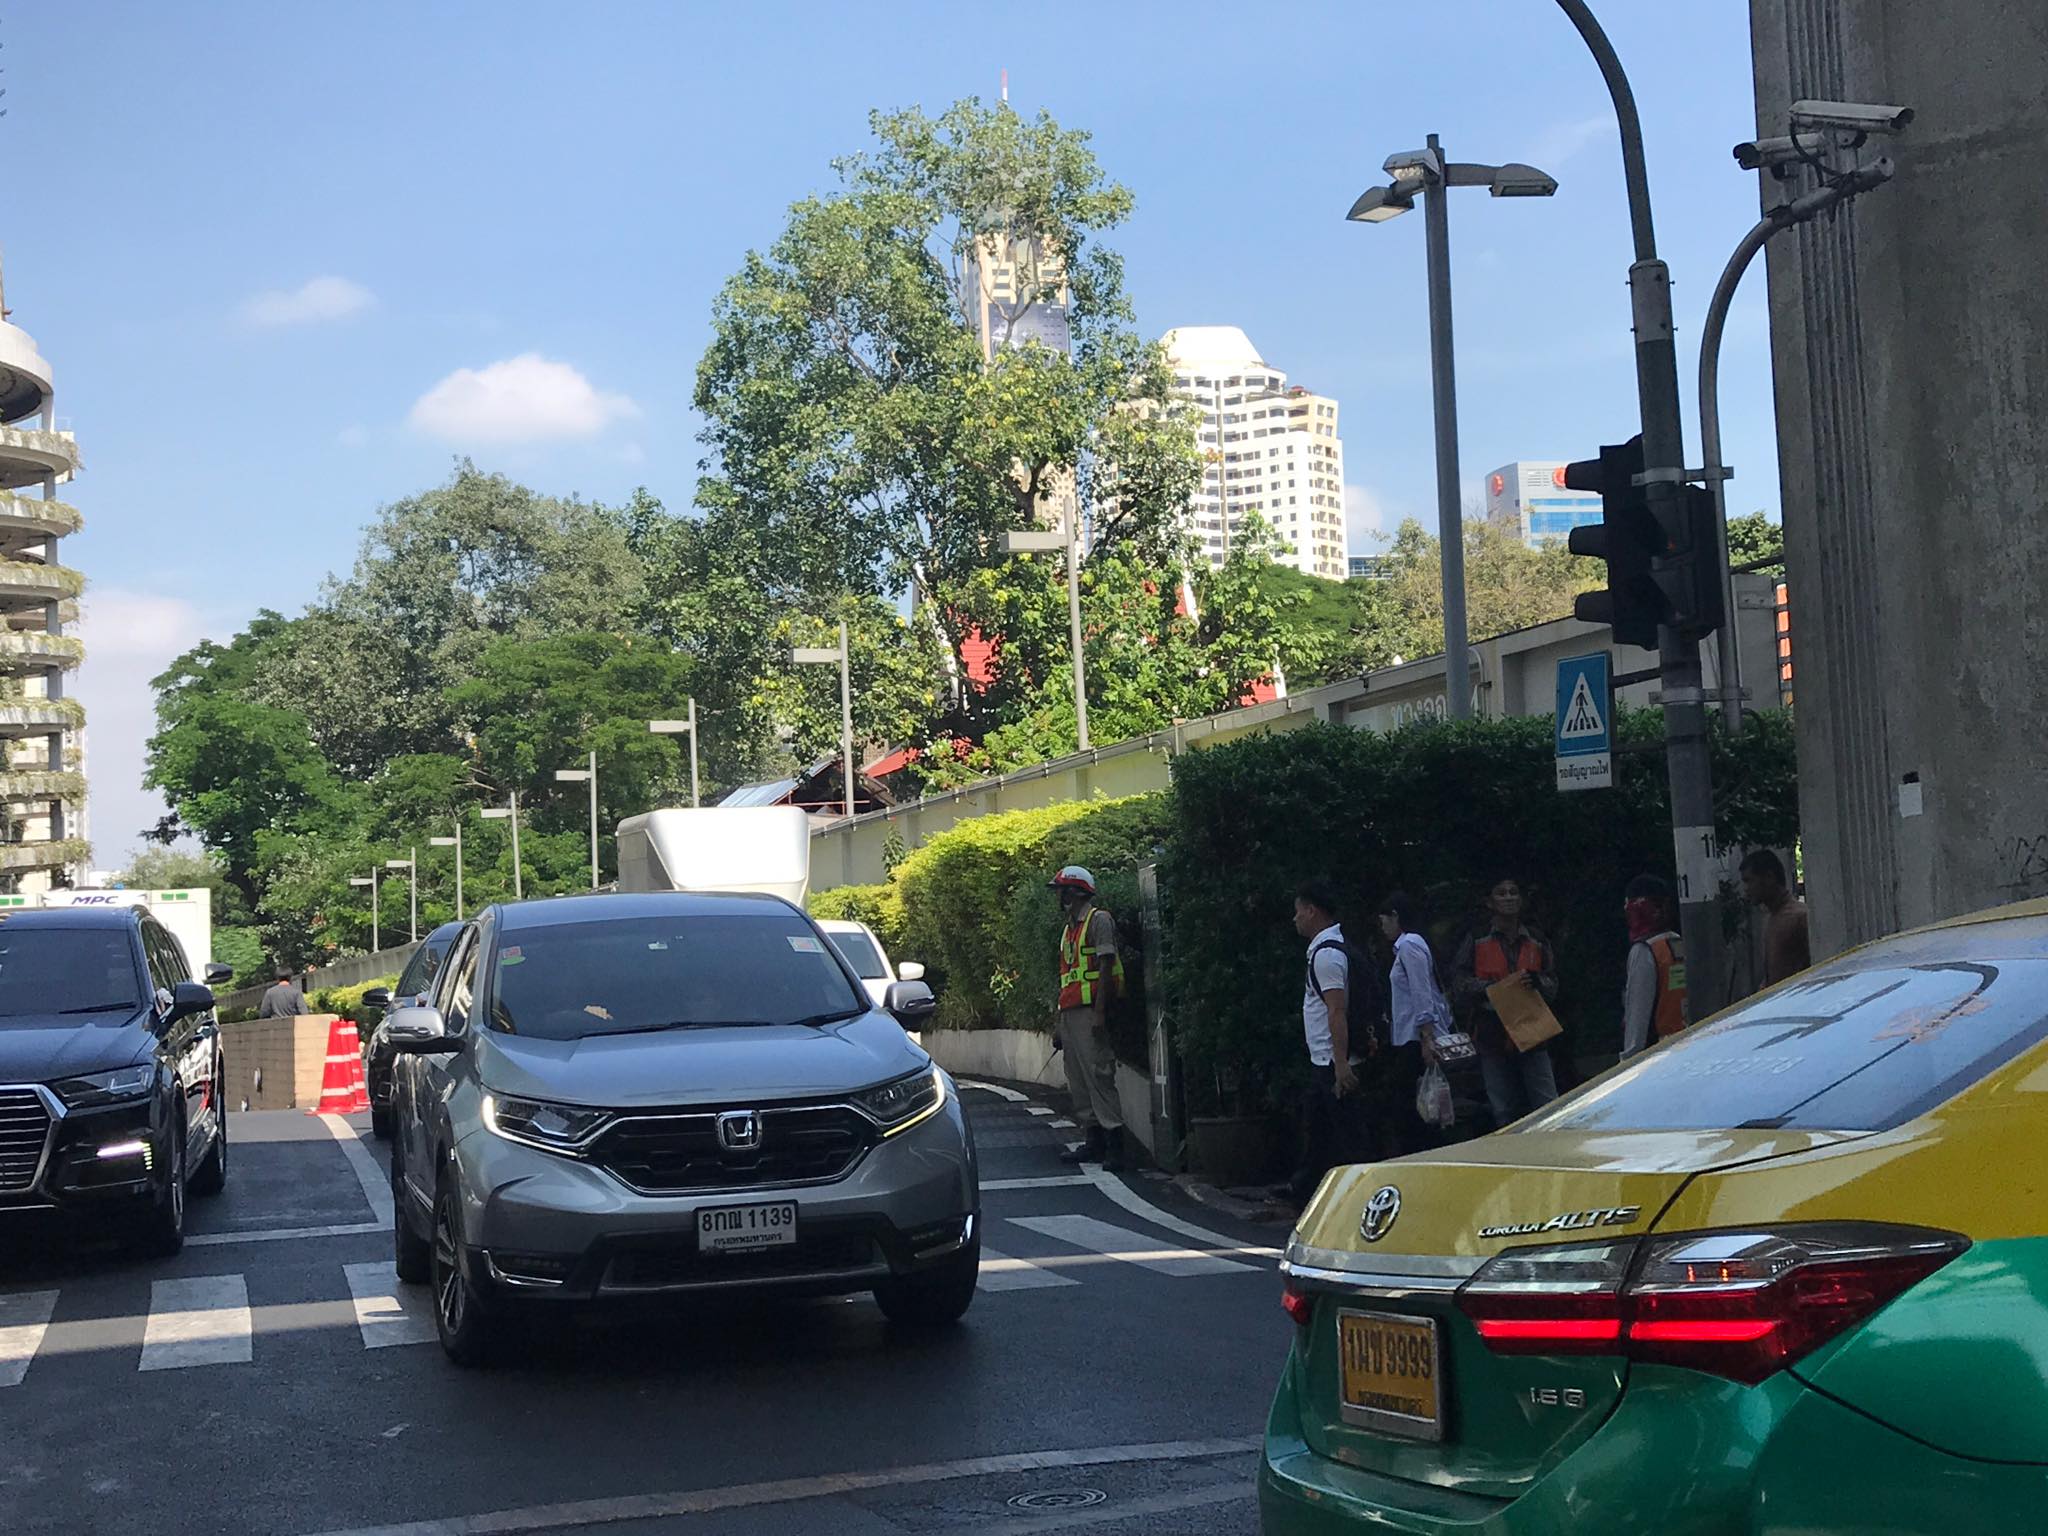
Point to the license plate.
(743, 1228)
(1391, 1373)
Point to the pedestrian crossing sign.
(1585, 722)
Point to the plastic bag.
(1433, 1099)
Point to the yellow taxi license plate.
(1391, 1373)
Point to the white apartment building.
(1268, 448)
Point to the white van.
(764, 848)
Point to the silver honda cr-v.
(627, 1096)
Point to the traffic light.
(1658, 572)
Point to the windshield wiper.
(127, 1007)
(817, 1019)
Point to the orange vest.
(1080, 973)
(1490, 959)
(1669, 1017)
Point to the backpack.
(1365, 995)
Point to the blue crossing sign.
(1585, 722)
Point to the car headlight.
(899, 1105)
(564, 1128)
(114, 1087)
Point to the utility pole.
(454, 842)
(1450, 511)
(1664, 486)
(846, 715)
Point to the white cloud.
(130, 637)
(1365, 519)
(353, 436)
(1562, 141)
(520, 399)
(313, 302)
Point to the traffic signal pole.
(1664, 485)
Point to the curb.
(1270, 1214)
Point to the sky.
(289, 262)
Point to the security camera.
(1849, 116)
(1770, 154)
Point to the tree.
(1754, 538)
(1508, 584)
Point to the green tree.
(1754, 537)
(1508, 585)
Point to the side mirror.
(419, 1031)
(188, 998)
(911, 1002)
(218, 975)
(910, 970)
(377, 997)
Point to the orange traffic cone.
(342, 1089)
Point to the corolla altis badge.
(1380, 1212)
(1569, 1221)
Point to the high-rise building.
(1268, 448)
(42, 787)
(1017, 288)
(1372, 567)
(1530, 496)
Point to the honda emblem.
(739, 1130)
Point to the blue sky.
(290, 260)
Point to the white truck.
(763, 848)
(188, 914)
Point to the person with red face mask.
(1653, 1003)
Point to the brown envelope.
(1523, 1013)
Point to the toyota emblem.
(1380, 1212)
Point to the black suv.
(415, 983)
(112, 1077)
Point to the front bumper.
(74, 1175)
(550, 1228)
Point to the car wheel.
(413, 1255)
(380, 1120)
(463, 1316)
(162, 1232)
(212, 1176)
(936, 1297)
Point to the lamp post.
(822, 656)
(1038, 541)
(411, 867)
(376, 938)
(454, 842)
(510, 812)
(682, 728)
(578, 776)
(1425, 171)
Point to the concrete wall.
(1910, 352)
(289, 1056)
(1026, 1056)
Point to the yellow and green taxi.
(1786, 1273)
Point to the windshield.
(860, 953)
(760, 966)
(1861, 1046)
(66, 970)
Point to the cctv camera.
(1770, 154)
(1849, 116)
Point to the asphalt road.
(274, 1378)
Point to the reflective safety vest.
(1080, 973)
(1490, 958)
(1669, 1017)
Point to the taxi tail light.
(1298, 1305)
(1739, 1304)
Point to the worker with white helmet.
(1091, 972)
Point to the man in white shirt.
(1329, 1120)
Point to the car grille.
(677, 1154)
(653, 1267)
(24, 1131)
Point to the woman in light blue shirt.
(1418, 1011)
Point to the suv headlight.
(899, 1105)
(114, 1087)
(565, 1128)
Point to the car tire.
(937, 1297)
(212, 1176)
(161, 1234)
(464, 1316)
(412, 1255)
(380, 1121)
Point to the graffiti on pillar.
(2022, 862)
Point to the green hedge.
(1440, 811)
(879, 906)
(347, 1002)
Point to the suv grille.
(674, 1154)
(24, 1130)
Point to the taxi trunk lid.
(1427, 1400)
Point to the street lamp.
(1425, 171)
(411, 867)
(454, 842)
(1040, 541)
(682, 728)
(578, 776)
(376, 937)
(805, 655)
(510, 812)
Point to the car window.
(1862, 1045)
(162, 974)
(458, 984)
(860, 953)
(417, 978)
(174, 955)
(67, 971)
(758, 966)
